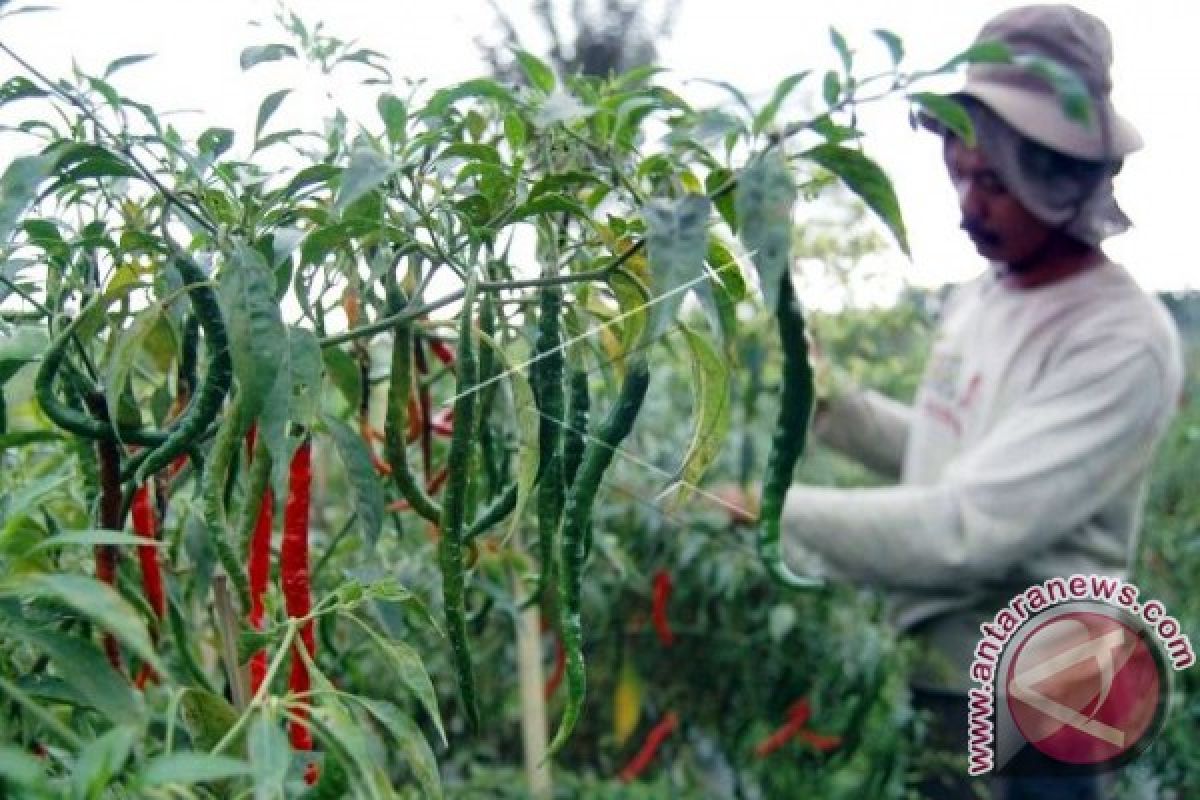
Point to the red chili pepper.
(798, 715)
(560, 668)
(370, 436)
(415, 423)
(145, 524)
(442, 351)
(258, 568)
(654, 739)
(293, 568)
(443, 421)
(662, 594)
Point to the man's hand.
(741, 504)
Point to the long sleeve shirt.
(1024, 456)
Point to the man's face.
(999, 226)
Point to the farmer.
(1052, 380)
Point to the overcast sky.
(750, 43)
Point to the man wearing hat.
(1052, 379)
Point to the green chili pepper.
(396, 427)
(218, 376)
(547, 384)
(577, 519)
(577, 416)
(219, 460)
(788, 441)
(450, 544)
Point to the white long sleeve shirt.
(1024, 456)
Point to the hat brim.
(1035, 111)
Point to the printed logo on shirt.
(947, 397)
(1073, 678)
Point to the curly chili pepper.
(654, 739)
(662, 594)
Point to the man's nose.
(970, 200)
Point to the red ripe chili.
(798, 715)
(293, 567)
(442, 352)
(145, 524)
(654, 739)
(560, 668)
(662, 594)
(258, 568)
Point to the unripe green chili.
(216, 470)
(577, 519)
(218, 376)
(547, 384)
(788, 441)
(396, 427)
(577, 416)
(450, 545)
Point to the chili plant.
(168, 296)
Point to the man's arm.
(867, 426)
(1083, 434)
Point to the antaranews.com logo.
(1072, 677)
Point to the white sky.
(750, 43)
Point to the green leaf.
(208, 718)
(723, 291)
(413, 747)
(304, 359)
(368, 169)
(269, 106)
(485, 88)
(267, 747)
(865, 178)
(843, 50)
(949, 113)
(514, 130)
(188, 768)
(126, 61)
(989, 52)
(103, 759)
(410, 671)
(717, 181)
(713, 412)
(394, 116)
(129, 343)
(831, 88)
(18, 188)
(24, 501)
(892, 42)
(95, 537)
(764, 118)
(676, 239)
(85, 669)
(215, 141)
(260, 54)
(310, 176)
(24, 345)
(21, 769)
(365, 486)
(257, 336)
(1072, 92)
(632, 299)
(95, 600)
(547, 204)
(471, 152)
(18, 87)
(343, 371)
(765, 199)
(537, 71)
